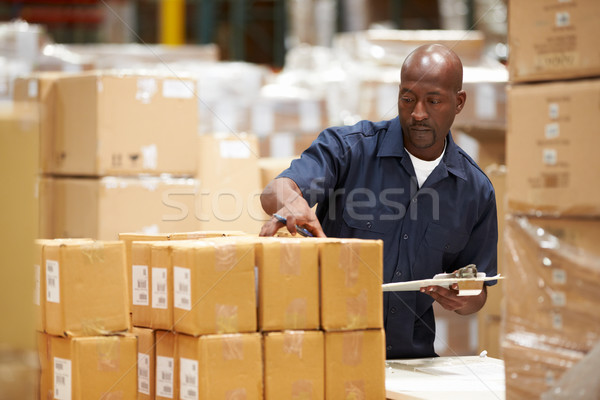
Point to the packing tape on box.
(349, 262)
(93, 327)
(109, 353)
(94, 252)
(293, 342)
(233, 347)
(226, 318)
(236, 394)
(302, 390)
(355, 390)
(225, 257)
(357, 309)
(290, 257)
(295, 314)
(352, 344)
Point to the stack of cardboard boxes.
(243, 316)
(120, 152)
(82, 321)
(552, 263)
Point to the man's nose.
(419, 113)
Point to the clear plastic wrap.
(551, 316)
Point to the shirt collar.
(392, 145)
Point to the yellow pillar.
(172, 22)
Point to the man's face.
(427, 104)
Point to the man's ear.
(461, 98)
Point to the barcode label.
(159, 288)
(62, 379)
(182, 292)
(139, 285)
(52, 281)
(188, 379)
(144, 373)
(37, 285)
(164, 375)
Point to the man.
(404, 181)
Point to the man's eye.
(435, 101)
(407, 99)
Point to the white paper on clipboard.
(466, 286)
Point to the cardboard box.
(230, 184)
(355, 364)
(86, 292)
(221, 366)
(161, 282)
(114, 124)
(214, 287)
(43, 347)
(288, 284)
(489, 335)
(532, 369)
(18, 226)
(550, 151)
(551, 40)
(455, 335)
(146, 363)
(167, 365)
(270, 167)
(37, 95)
(553, 282)
(94, 367)
(487, 147)
(351, 274)
(39, 271)
(294, 365)
(140, 288)
(101, 208)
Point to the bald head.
(435, 60)
(429, 98)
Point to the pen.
(302, 231)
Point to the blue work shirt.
(365, 186)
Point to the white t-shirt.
(424, 168)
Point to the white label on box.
(557, 322)
(234, 149)
(37, 285)
(563, 19)
(550, 156)
(139, 285)
(144, 373)
(485, 104)
(552, 130)
(310, 116)
(178, 89)
(553, 110)
(188, 375)
(182, 290)
(559, 276)
(263, 119)
(559, 299)
(62, 379)
(149, 156)
(164, 376)
(32, 88)
(146, 88)
(159, 288)
(52, 282)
